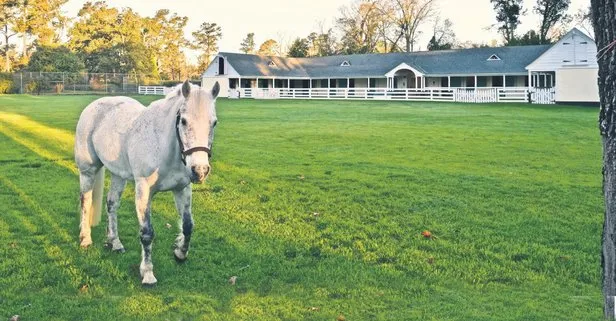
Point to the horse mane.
(175, 91)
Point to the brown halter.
(184, 153)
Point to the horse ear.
(186, 89)
(216, 90)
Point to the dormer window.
(566, 43)
(221, 65)
(345, 63)
(583, 42)
(271, 63)
(494, 57)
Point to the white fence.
(467, 95)
(542, 96)
(153, 90)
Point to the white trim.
(403, 66)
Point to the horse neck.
(163, 116)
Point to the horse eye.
(183, 121)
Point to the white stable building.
(564, 72)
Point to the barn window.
(345, 63)
(493, 57)
(566, 43)
(583, 60)
(583, 42)
(271, 63)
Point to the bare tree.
(410, 15)
(443, 36)
(582, 19)
(359, 24)
(604, 23)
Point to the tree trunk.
(608, 257)
(604, 23)
(408, 43)
(7, 62)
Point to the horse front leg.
(183, 203)
(143, 202)
(113, 203)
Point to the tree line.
(100, 39)
(381, 26)
(36, 36)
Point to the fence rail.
(470, 95)
(153, 90)
(77, 83)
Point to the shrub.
(6, 83)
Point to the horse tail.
(97, 197)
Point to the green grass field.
(318, 208)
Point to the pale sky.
(289, 19)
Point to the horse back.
(101, 133)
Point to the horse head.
(195, 122)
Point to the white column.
(530, 83)
(504, 81)
(274, 83)
(545, 80)
(448, 81)
(423, 81)
(475, 81)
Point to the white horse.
(163, 147)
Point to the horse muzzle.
(199, 173)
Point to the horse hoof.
(149, 280)
(179, 257)
(85, 244)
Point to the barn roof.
(505, 60)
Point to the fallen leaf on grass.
(426, 234)
(315, 214)
(430, 260)
(314, 309)
(14, 318)
(83, 288)
(301, 177)
(167, 225)
(232, 280)
(341, 318)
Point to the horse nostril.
(207, 170)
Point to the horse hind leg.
(143, 202)
(113, 204)
(88, 185)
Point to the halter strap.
(184, 153)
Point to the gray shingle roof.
(513, 60)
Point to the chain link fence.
(39, 83)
